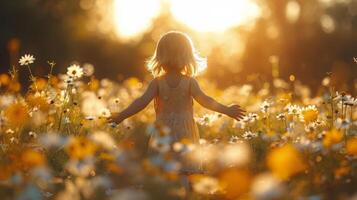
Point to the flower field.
(56, 142)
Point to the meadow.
(56, 141)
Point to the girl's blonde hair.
(175, 51)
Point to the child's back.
(174, 108)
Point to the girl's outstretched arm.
(139, 103)
(208, 102)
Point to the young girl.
(174, 64)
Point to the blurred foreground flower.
(80, 147)
(205, 184)
(17, 114)
(103, 139)
(332, 137)
(235, 182)
(31, 158)
(351, 146)
(266, 186)
(285, 161)
(129, 194)
(235, 155)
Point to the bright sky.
(134, 16)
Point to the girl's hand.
(115, 119)
(236, 112)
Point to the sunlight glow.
(132, 17)
(135, 16)
(214, 15)
(292, 11)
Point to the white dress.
(174, 110)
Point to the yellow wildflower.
(14, 86)
(342, 170)
(5, 172)
(80, 147)
(37, 101)
(93, 85)
(106, 156)
(40, 84)
(54, 81)
(332, 137)
(351, 146)
(285, 161)
(235, 182)
(113, 168)
(31, 158)
(309, 114)
(4, 79)
(17, 114)
(284, 97)
(132, 81)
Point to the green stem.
(29, 68)
(33, 79)
(49, 76)
(351, 117)
(62, 108)
(342, 107)
(332, 107)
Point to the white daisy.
(311, 127)
(32, 134)
(26, 59)
(341, 96)
(250, 118)
(281, 116)
(90, 118)
(9, 131)
(234, 139)
(294, 110)
(207, 119)
(249, 135)
(105, 113)
(75, 71)
(342, 123)
(350, 101)
(264, 107)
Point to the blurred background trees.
(307, 39)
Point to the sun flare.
(132, 17)
(214, 15)
(135, 16)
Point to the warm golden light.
(134, 16)
(214, 15)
